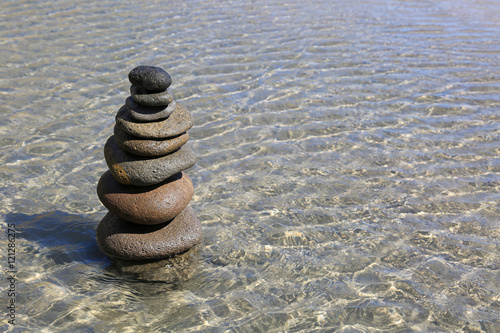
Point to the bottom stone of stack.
(177, 269)
(120, 239)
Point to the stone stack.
(145, 189)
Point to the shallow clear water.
(349, 171)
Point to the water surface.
(348, 176)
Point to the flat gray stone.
(177, 123)
(149, 147)
(153, 79)
(149, 113)
(120, 239)
(129, 169)
(143, 97)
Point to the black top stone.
(153, 79)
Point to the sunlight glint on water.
(348, 173)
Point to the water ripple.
(348, 167)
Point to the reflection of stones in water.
(176, 269)
(291, 238)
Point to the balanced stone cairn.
(150, 223)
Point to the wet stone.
(149, 147)
(146, 205)
(143, 97)
(130, 169)
(149, 113)
(151, 232)
(153, 79)
(178, 269)
(177, 123)
(120, 239)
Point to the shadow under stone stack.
(145, 188)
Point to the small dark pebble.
(153, 79)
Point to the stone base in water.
(171, 270)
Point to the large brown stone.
(177, 123)
(149, 147)
(130, 169)
(146, 204)
(118, 238)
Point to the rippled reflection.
(348, 176)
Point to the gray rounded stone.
(143, 97)
(149, 113)
(129, 169)
(150, 78)
(152, 147)
(120, 239)
(177, 123)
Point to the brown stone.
(120, 239)
(130, 169)
(146, 204)
(149, 147)
(177, 123)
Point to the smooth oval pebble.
(143, 97)
(118, 238)
(177, 123)
(146, 204)
(130, 169)
(149, 113)
(152, 147)
(150, 78)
